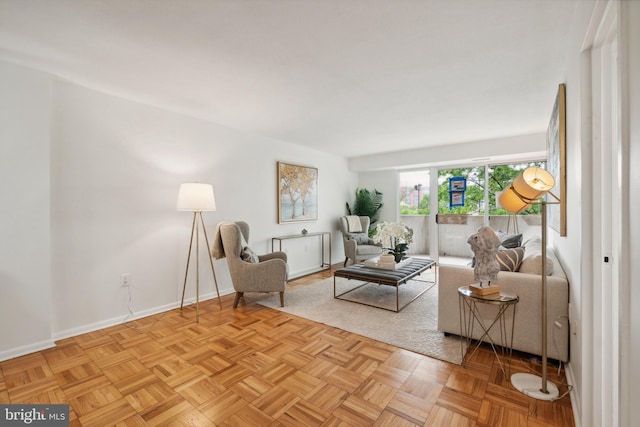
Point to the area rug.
(415, 328)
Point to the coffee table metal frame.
(360, 272)
(469, 315)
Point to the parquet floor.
(254, 366)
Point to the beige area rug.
(415, 328)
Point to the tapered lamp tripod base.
(531, 385)
(195, 233)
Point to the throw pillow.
(509, 241)
(360, 238)
(249, 256)
(510, 259)
(532, 262)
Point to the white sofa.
(527, 285)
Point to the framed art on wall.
(556, 162)
(297, 193)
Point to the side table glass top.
(498, 298)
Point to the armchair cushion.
(360, 238)
(369, 251)
(248, 255)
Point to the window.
(414, 193)
(414, 189)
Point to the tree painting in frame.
(297, 193)
(556, 162)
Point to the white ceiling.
(350, 77)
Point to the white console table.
(322, 234)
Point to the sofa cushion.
(532, 262)
(510, 259)
(360, 238)
(509, 241)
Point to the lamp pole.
(197, 197)
(529, 188)
(543, 290)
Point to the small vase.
(398, 256)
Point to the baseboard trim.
(26, 349)
(129, 317)
(575, 397)
(118, 320)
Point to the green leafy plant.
(367, 203)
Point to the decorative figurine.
(484, 245)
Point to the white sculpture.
(484, 245)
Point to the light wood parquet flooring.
(255, 366)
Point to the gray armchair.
(254, 273)
(357, 244)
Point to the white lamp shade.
(532, 184)
(194, 196)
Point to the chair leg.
(281, 299)
(345, 261)
(237, 299)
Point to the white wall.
(116, 167)
(631, 332)
(25, 269)
(572, 248)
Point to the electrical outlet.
(125, 280)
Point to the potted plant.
(395, 237)
(367, 203)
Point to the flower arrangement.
(394, 236)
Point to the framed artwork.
(457, 183)
(556, 162)
(297, 193)
(456, 198)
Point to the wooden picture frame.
(556, 162)
(297, 193)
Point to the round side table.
(470, 315)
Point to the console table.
(322, 234)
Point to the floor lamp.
(527, 189)
(196, 197)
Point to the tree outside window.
(499, 177)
